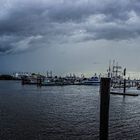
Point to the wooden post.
(124, 88)
(39, 81)
(104, 107)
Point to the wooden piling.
(22, 81)
(124, 84)
(124, 88)
(39, 81)
(104, 107)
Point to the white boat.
(92, 81)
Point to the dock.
(124, 94)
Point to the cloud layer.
(27, 25)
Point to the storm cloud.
(27, 25)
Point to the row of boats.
(56, 81)
(115, 72)
(40, 80)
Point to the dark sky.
(77, 36)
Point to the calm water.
(69, 113)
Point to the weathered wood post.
(104, 107)
(124, 88)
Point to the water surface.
(63, 112)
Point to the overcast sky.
(69, 36)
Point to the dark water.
(65, 113)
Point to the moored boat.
(95, 80)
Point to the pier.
(124, 94)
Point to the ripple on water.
(67, 112)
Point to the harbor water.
(63, 113)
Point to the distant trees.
(6, 77)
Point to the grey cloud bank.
(69, 36)
(28, 25)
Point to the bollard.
(104, 107)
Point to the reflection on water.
(67, 112)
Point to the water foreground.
(64, 112)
